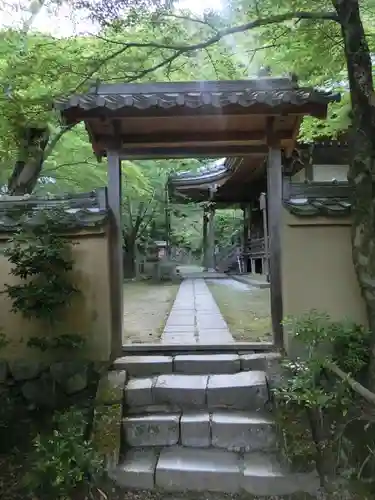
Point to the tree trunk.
(362, 166)
(130, 258)
(30, 161)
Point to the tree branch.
(52, 144)
(280, 18)
(181, 49)
(355, 386)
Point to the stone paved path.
(195, 317)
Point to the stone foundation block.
(184, 469)
(145, 366)
(183, 390)
(138, 392)
(195, 430)
(111, 387)
(137, 471)
(242, 431)
(152, 430)
(201, 364)
(240, 391)
(259, 361)
(25, 369)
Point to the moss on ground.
(246, 311)
(146, 309)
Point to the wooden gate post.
(115, 251)
(274, 199)
(211, 239)
(263, 208)
(204, 239)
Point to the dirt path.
(146, 308)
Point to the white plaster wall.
(327, 173)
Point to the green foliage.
(63, 462)
(41, 259)
(4, 341)
(344, 342)
(314, 408)
(57, 342)
(228, 226)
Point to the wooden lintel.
(170, 151)
(189, 137)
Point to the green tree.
(330, 39)
(144, 206)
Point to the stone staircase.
(203, 423)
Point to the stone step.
(239, 391)
(242, 431)
(177, 468)
(230, 430)
(150, 365)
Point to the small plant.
(314, 407)
(42, 260)
(63, 462)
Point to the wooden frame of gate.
(258, 119)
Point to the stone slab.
(242, 431)
(184, 469)
(138, 469)
(145, 410)
(215, 335)
(207, 363)
(240, 391)
(145, 366)
(258, 361)
(185, 306)
(195, 430)
(138, 392)
(211, 322)
(180, 320)
(179, 329)
(263, 476)
(183, 390)
(178, 339)
(152, 430)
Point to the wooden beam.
(161, 138)
(170, 151)
(274, 198)
(115, 251)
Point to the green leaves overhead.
(165, 44)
